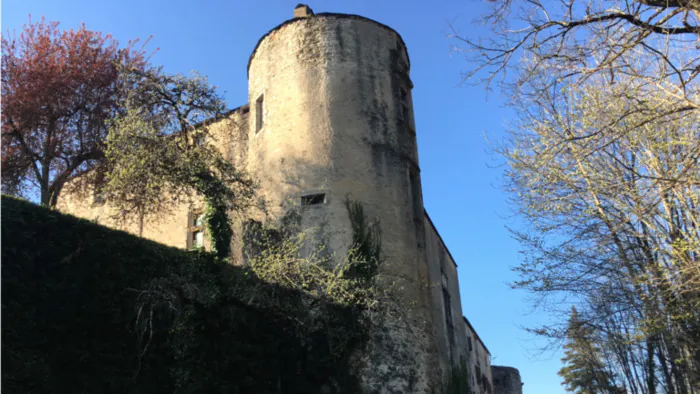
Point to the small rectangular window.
(198, 239)
(313, 199)
(195, 229)
(259, 113)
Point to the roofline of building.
(476, 334)
(439, 237)
(207, 122)
(325, 15)
(455, 263)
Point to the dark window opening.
(448, 316)
(259, 113)
(313, 199)
(198, 239)
(469, 342)
(415, 195)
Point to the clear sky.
(460, 184)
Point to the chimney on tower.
(302, 11)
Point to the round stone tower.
(331, 117)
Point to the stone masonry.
(330, 116)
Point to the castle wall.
(169, 229)
(335, 95)
(330, 113)
(173, 228)
(479, 362)
(460, 342)
(506, 380)
(444, 291)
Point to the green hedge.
(75, 301)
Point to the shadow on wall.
(89, 309)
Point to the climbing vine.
(159, 154)
(458, 379)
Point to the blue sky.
(460, 183)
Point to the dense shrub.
(90, 309)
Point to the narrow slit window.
(448, 315)
(415, 194)
(313, 199)
(259, 107)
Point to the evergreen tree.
(584, 371)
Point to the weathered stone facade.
(506, 380)
(330, 116)
(175, 228)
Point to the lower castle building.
(330, 115)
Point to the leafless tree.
(603, 165)
(571, 40)
(610, 187)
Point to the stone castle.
(330, 115)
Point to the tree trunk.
(651, 370)
(55, 192)
(663, 363)
(45, 197)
